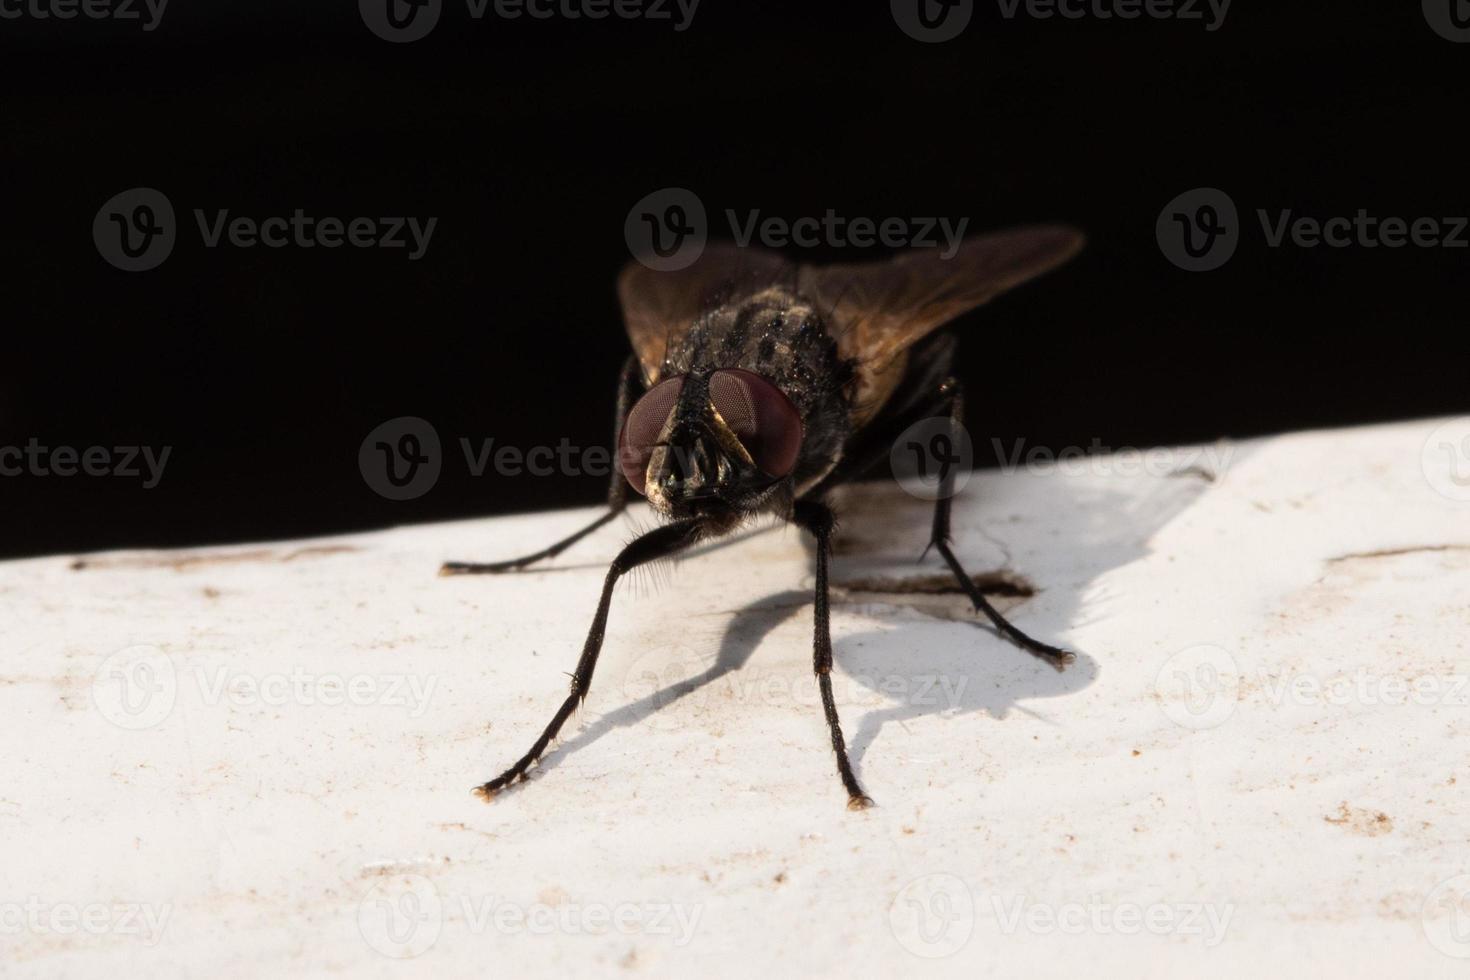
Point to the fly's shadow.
(948, 660)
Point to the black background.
(530, 141)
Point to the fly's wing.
(659, 308)
(877, 311)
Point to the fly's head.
(719, 445)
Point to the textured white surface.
(258, 761)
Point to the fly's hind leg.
(939, 541)
(617, 493)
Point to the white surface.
(1183, 771)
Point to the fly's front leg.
(617, 491)
(939, 541)
(656, 544)
(817, 518)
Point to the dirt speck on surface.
(1397, 552)
(553, 896)
(1367, 823)
(187, 561)
(1198, 472)
(1001, 583)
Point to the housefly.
(756, 385)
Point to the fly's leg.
(659, 543)
(816, 517)
(617, 493)
(939, 541)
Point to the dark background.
(530, 141)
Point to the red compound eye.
(767, 424)
(642, 427)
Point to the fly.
(756, 385)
